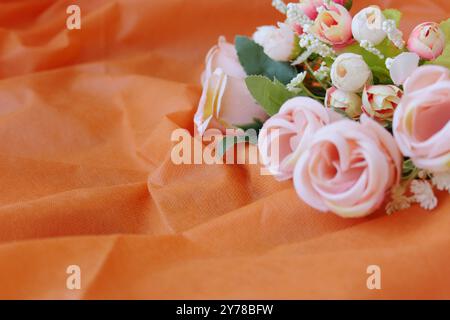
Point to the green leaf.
(229, 142)
(348, 4)
(444, 58)
(393, 14)
(445, 26)
(256, 62)
(269, 94)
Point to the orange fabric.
(86, 176)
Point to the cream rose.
(379, 102)
(348, 168)
(348, 102)
(225, 100)
(368, 25)
(287, 134)
(350, 72)
(421, 123)
(278, 43)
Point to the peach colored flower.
(379, 101)
(421, 123)
(287, 134)
(348, 168)
(427, 40)
(225, 101)
(333, 25)
(348, 102)
(309, 7)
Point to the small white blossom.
(295, 14)
(313, 45)
(293, 85)
(279, 5)
(441, 180)
(399, 200)
(368, 46)
(395, 35)
(323, 72)
(423, 194)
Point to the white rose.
(368, 25)
(350, 72)
(278, 43)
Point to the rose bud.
(427, 40)
(350, 72)
(225, 101)
(278, 43)
(309, 7)
(348, 102)
(367, 25)
(333, 25)
(380, 101)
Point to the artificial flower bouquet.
(359, 112)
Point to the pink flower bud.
(427, 40)
(333, 25)
(380, 101)
(309, 7)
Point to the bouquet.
(348, 108)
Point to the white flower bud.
(350, 72)
(368, 25)
(278, 43)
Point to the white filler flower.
(423, 194)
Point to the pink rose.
(427, 40)
(421, 123)
(225, 101)
(333, 25)
(287, 134)
(348, 168)
(309, 7)
(380, 101)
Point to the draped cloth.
(87, 179)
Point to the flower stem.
(312, 73)
(309, 93)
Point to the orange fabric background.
(86, 176)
